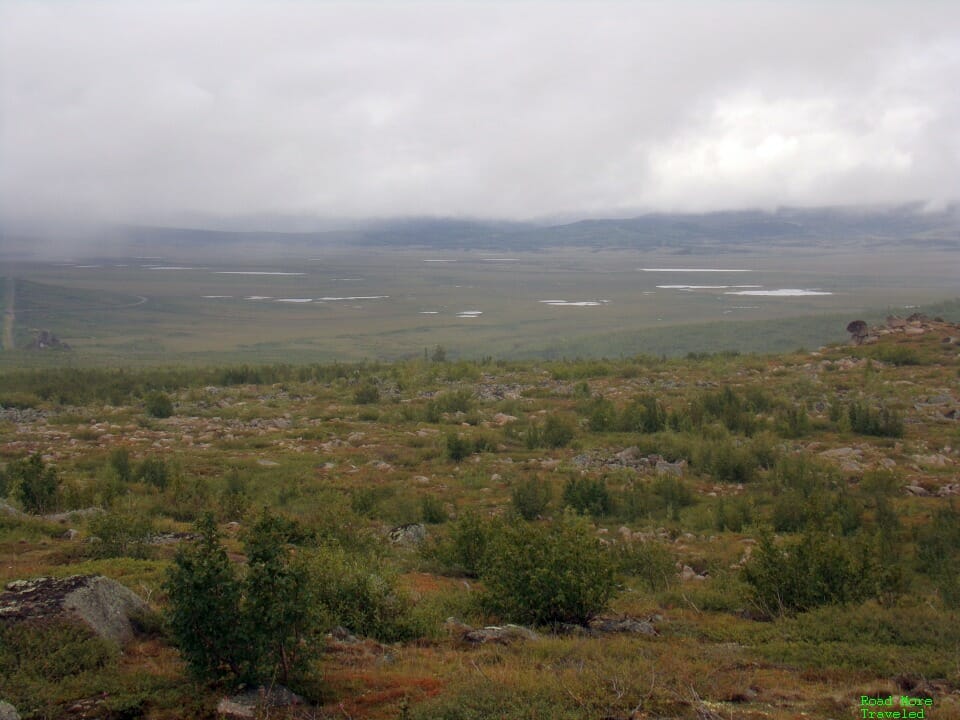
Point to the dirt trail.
(9, 314)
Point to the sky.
(169, 112)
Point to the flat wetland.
(346, 304)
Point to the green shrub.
(458, 447)
(732, 514)
(816, 570)
(547, 574)
(643, 415)
(587, 496)
(432, 510)
(205, 605)
(158, 405)
(530, 498)
(361, 596)
(153, 471)
(120, 464)
(885, 422)
(35, 483)
(120, 535)
(651, 562)
(464, 549)
(558, 431)
(366, 394)
(256, 628)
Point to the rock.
(104, 605)
(936, 460)
(46, 340)
(503, 418)
(623, 625)
(630, 455)
(499, 634)
(917, 491)
(8, 711)
(841, 453)
(410, 534)
(70, 534)
(667, 468)
(252, 703)
(949, 490)
(263, 462)
(341, 634)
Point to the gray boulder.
(8, 711)
(411, 534)
(102, 604)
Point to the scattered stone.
(410, 534)
(949, 490)
(8, 711)
(935, 461)
(499, 635)
(917, 491)
(341, 634)
(263, 462)
(252, 703)
(624, 624)
(667, 468)
(503, 418)
(104, 605)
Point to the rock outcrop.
(104, 605)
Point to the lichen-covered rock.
(253, 703)
(410, 534)
(104, 605)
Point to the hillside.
(778, 532)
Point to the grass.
(294, 438)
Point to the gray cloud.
(152, 112)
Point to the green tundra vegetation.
(716, 536)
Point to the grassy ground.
(308, 443)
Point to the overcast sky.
(160, 111)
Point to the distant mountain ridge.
(722, 231)
(660, 230)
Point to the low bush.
(547, 574)
(530, 498)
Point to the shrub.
(732, 515)
(557, 573)
(558, 431)
(158, 405)
(587, 496)
(816, 570)
(361, 596)
(153, 471)
(458, 447)
(432, 510)
(464, 549)
(35, 483)
(366, 394)
(651, 562)
(644, 415)
(204, 608)
(530, 498)
(885, 422)
(120, 464)
(260, 627)
(120, 535)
